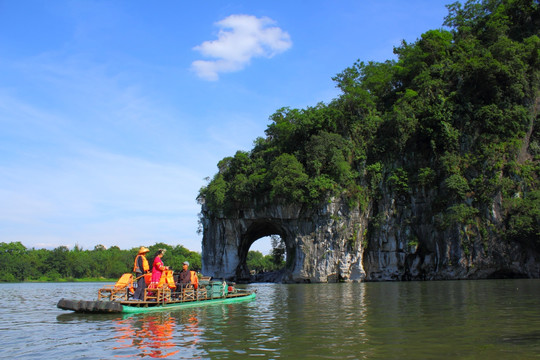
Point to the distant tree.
(20, 264)
(278, 251)
(255, 261)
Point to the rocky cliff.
(393, 239)
(321, 244)
(409, 243)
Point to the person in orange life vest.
(157, 268)
(186, 276)
(140, 268)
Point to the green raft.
(180, 305)
(134, 307)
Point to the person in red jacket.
(140, 268)
(157, 268)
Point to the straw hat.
(143, 250)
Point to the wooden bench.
(119, 291)
(161, 294)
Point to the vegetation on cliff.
(454, 117)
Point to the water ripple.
(499, 319)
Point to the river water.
(491, 319)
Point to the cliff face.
(394, 239)
(322, 245)
(411, 244)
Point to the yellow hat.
(143, 250)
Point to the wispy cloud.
(99, 197)
(241, 38)
(97, 161)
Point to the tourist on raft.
(141, 268)
(157, 268)
(186, 277)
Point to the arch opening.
(266, 254)
(254, 266)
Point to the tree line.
(18, 263)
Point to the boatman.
(141, 268)
(186, 276)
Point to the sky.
(113, 114)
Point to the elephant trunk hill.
(424, 168)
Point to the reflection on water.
(152, 335)
(416, 320)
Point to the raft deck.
(135, 306)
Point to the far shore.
(61, 280)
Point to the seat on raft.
(189, 293)
(159, 294)
(162, 291)
(121, 290)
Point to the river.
(485, 319)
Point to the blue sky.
(113, 113)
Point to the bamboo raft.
(117, 298)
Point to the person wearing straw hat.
(140, 268)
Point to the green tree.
(288, 179)
(255, 261)
(12, 261)
(523, 221)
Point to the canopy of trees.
(455, 113)
(17, 263)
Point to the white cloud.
(241, 38)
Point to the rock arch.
(322, 245)
(331, 243)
